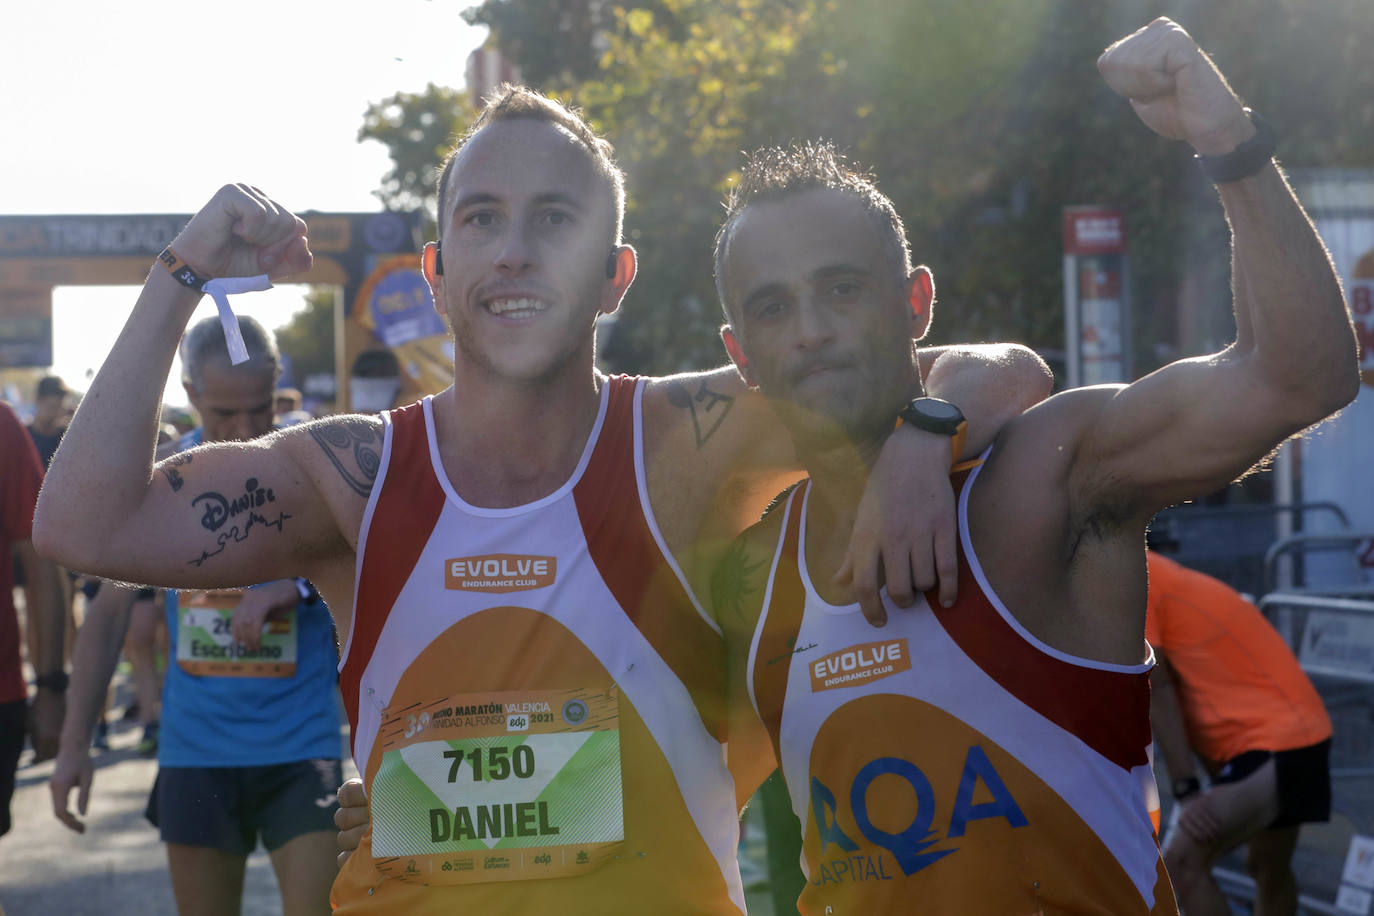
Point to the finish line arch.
(39, 253)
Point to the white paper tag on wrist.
(220, 290)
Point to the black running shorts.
(1304, 781)
(227, 808)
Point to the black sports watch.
(937, 416)
(1183, 788)
(1247, 158)
(56, 681)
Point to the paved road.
(118, 866)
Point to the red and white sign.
(1094, 230)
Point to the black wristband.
(181, 271)
(1246, 159)
(56, 681)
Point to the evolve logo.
(499, 572)
(870, 661)
(911, 846)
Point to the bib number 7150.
(497, 762)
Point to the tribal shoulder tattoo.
(354, 446)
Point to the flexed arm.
(227, 514)
(1199, 423)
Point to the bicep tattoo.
(232, 518)
(709, 408)
(354, 446)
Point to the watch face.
(938, 409)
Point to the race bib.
(499, 786)
(206, 647)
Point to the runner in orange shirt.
(1228, 689)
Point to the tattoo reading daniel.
(235, 516)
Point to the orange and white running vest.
(949, 762)
(536, 698)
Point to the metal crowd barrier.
(1333, 638)
(1344, 575)
(1230, 542)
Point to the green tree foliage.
(308, 338)
(554, 41)
(983, 120)
(418, 129)
(677, 90)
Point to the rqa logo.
(574, 712)
(911, 847)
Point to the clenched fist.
(1175, 88)
(242, 232)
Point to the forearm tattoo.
(734, 582)
(234, 517)
(354, 446)
(709, 408)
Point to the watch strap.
(1247, 158)
(955, 428)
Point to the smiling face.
(821, 315)
(526, 238)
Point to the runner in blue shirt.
(250, 740)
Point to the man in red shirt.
(1228, 689)
(21, 474)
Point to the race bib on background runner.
(499, 786)
(206, 646)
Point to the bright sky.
(148, 107)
